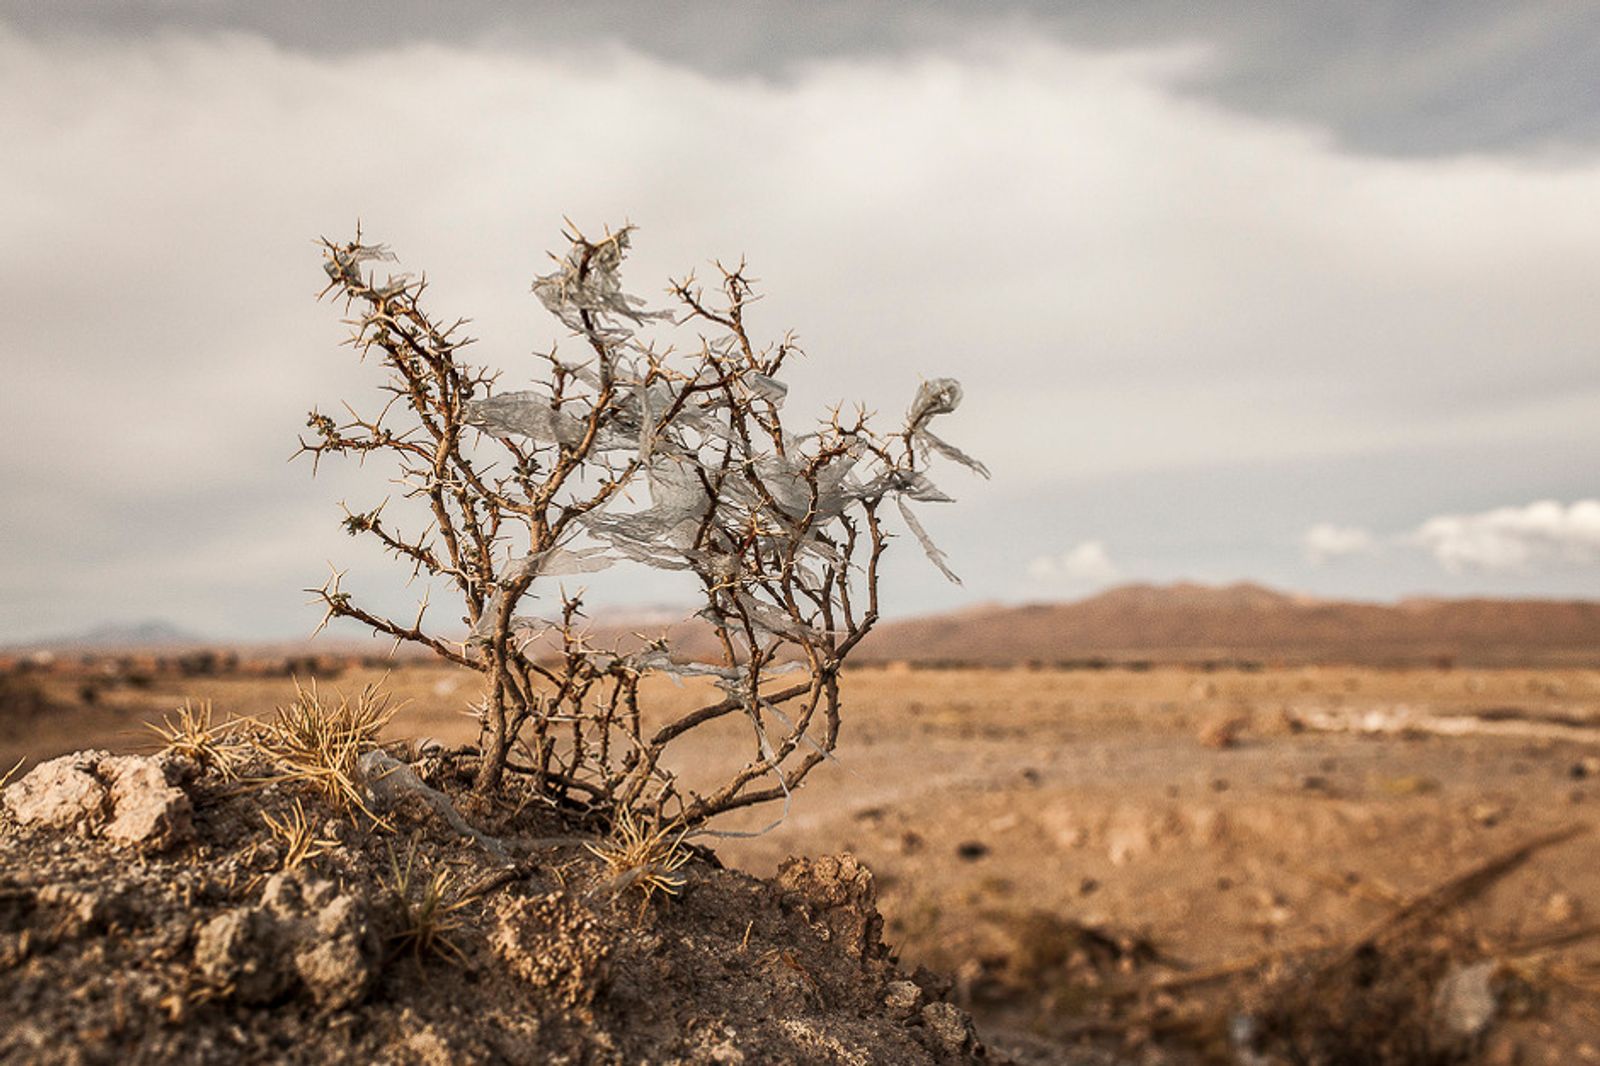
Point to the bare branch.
(638, 455)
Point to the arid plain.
(1110, 848)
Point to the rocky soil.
(149, 912)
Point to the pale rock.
(302, 934)
(60, 794)
(952, 1037)
(1465, 1002)
(1560, 908)
(146, 810)
(903, 998)
(124, 798)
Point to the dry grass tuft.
(320, 742)
(5, 779)
(429, 910)
(649, 858)
(298, 836)
(190, 731)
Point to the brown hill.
(1180, 623)
(1244, 622)
(1190, 623)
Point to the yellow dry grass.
(192, 732)
(641, 856)
(298, 836)
(320, 742)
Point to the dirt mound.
(154, 912)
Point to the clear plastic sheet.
(525, 414)
(344, 264)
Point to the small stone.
(902, 998)
(950, 1031)
(1560, 908)
(303, 934)
(1222, 732)
(238, 950)
(1465, 1003)
(971, 850)
(148, 811)
(60, 794)
(1488, 814)
(334, 964)
(124, 798)
(839, 897)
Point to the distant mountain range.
(1155, 623)
(1189, 623)
(1195, 623)
(147, 635)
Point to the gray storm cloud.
(1134, 283)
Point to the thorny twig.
(676, 459)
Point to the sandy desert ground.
(1048, 837)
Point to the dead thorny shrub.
(648, 858)
(631, 451)
(192, 732)
(429, 907)
(320, 742)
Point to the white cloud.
(1085, 563)
(1325, 542)
(1515, 539)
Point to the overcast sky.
(1308, 298)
